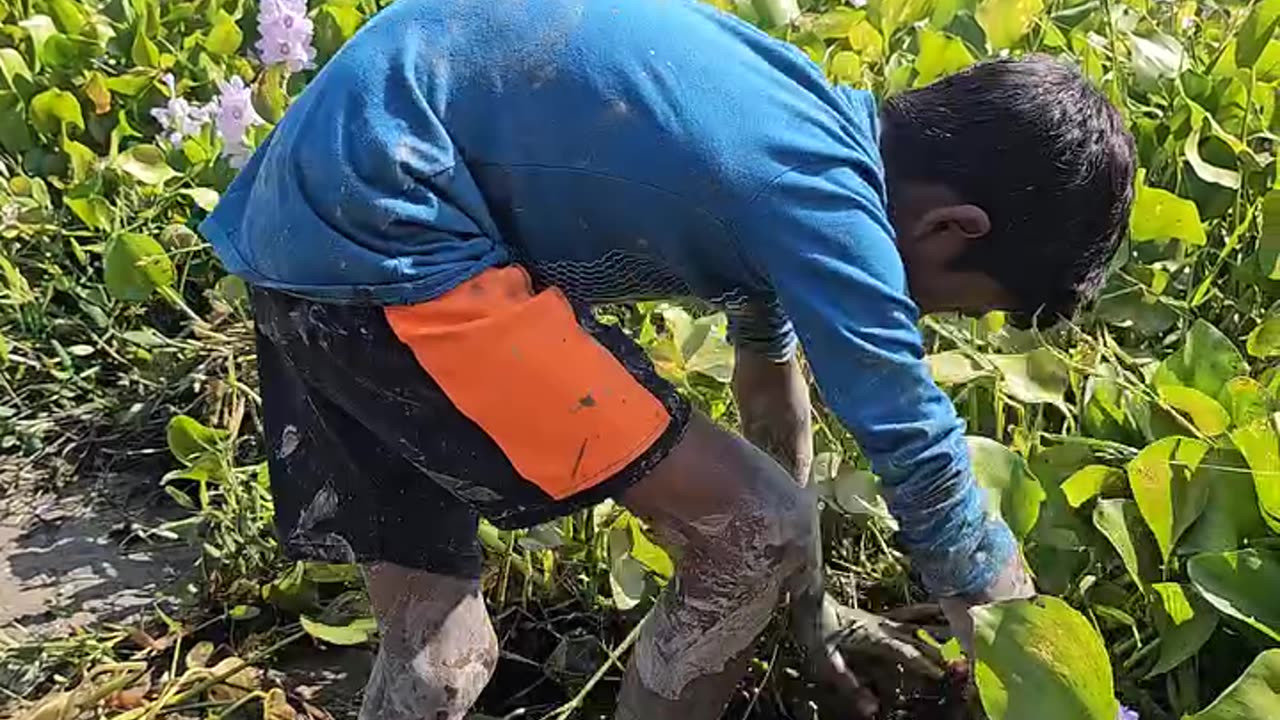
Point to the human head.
(1010, 186)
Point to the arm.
(842, 284)
(769, 389)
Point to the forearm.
(957, 547)
(773, 404)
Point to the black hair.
(1043, 152)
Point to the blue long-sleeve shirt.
(620, 149)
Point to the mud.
(438, 647)
(69, 557)
(723, 594)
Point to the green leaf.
(134, 265)
(15, 73)
(1156, 58)
(40, 28)
(1248, 401)
(1258, 29)
(954, 367)
(896, 14)
(1206, 361)
(144, 52)
(14, 135)
(330, 573)
(1269, 240)
(1006, 21)
(1166, 488)
(1035, 377)
(356, 632)
(940, 54)
(205, 198)
(702, 343)
(1231, 516)
(83, 160)
(1260, 446)
(1264, 341)
(835, 23)
(776, 13)
(270, 97)
(628, 578)
(1209, 173)
(866, 41)
(93, 211)
(1087, 482)
(189, 440)
(857, 492)
(1241, 584)
(132, 83)
(146, 163)
(54, 109)
(648, 553)
(69, 15)
(1012, 490)
(1121, 523)
(199, 654)
(1255, 695)
(1148, 313)
(1185, 621)
(1041, 659)
(1206, 414)
(95, 88)
(1161, 215)
(845, 67)
(224, 37)
(244, 612)
(334, 26)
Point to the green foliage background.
(1135, 453)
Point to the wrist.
(972, 567)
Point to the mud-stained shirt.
(621, 150)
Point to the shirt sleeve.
(821, 236)
(763, 327)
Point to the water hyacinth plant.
(286, 34)
(179, 117)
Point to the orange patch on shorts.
(563, 409)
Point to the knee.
(773, 533)
(456, 673)
(431, 678)
(794, 530)
(438, 648)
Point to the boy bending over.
(426, 229)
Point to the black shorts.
(392, 431)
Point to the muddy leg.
(438, 648)
(740, 530)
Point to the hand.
(773, 405)
(1012, 583)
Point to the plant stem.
(564, 711)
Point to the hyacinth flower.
(180, 118)
(233, 117)
(286, 34)
(1126, 713)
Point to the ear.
(945, 232)
(966, 222)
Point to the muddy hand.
(1013, 583)
(828, 632)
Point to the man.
(427, 225)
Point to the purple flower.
(233, 116)
(178, 117)
(286, 34)
(1127, 714)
